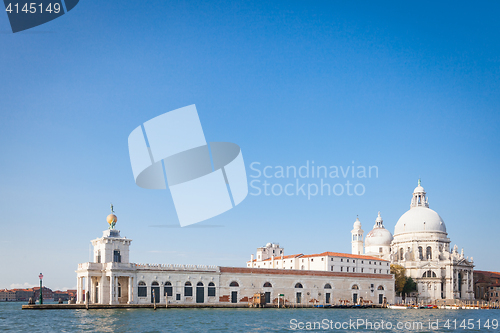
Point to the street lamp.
(41, 297)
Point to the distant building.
(7, 295)
(23, 294)
(71, 293)
(58, 294)
(486, 285)
(46, 293)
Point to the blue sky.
(412, 88)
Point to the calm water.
(13, 319)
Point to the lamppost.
(41, 296)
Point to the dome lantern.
(419, 199)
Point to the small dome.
(419, 189)
(111, 218)
(357, 224)
(378, 237)
(269, 245)
(419, 219)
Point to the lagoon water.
(13, 319)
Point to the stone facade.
(421, 245)
(114, 280)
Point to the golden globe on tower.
(111, 218)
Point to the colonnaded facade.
(421, 245)
(112, 279)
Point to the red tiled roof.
(344, 255)
(488, 273)
(267, 271)
(284, 257)
(324, 254)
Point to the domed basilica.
(421, 245)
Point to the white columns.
(101, 289)
(111, 288)
(79, 290)
(88, 288)
(130, 290)
(116, 290)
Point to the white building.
(326, 261)
(325, 278)
(421, 245)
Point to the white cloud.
(21, 286)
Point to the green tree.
(410, 286)
(399, 277)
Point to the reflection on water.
(13, 319)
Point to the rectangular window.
(116, 256)
(167, 290)
(354, 269)
(348, 269)
(341, 269)
(331, 268)
(211, 291)
(177, 297)
(142, 291)
(188, 291)
(361, 270)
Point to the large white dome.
(378, 237)
(419, 219)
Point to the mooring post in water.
(154, 299)
(87, 295)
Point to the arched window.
(155, 283)
(268, 285)
(420, 253)
(188, 289)
(298, 285)
(119, 290)
(211, 289)
(401, 254)
(199, 284)
(328, 286)
(428, 253)
(355, 287)
(234, 284)
(425, 274)
(142, 290)
(167, 289)
(380, 288)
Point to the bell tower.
(357, 237)
(111, 247)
